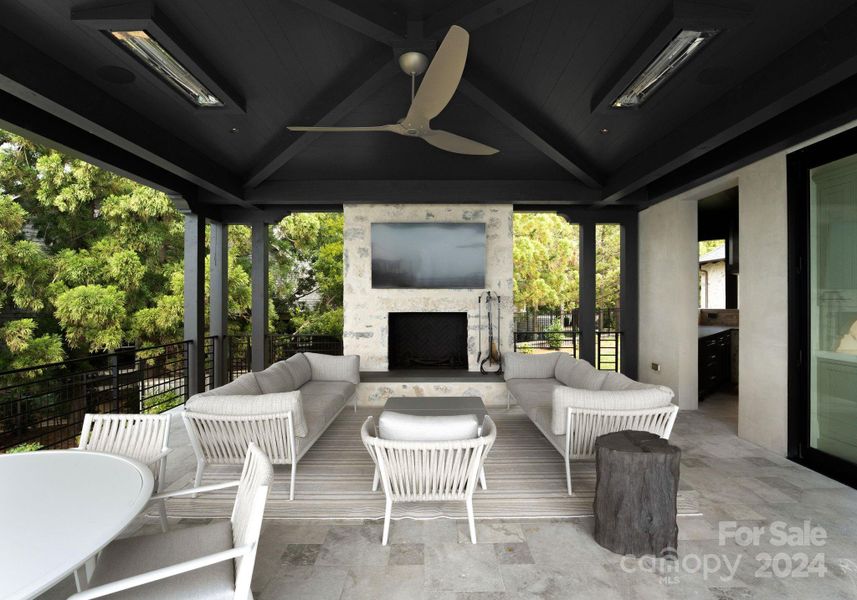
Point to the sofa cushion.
(564, 366)
(427, 428)
(245, 385)
(276, 378)
(584, 376)
(255, 405)
(326, 397)
(617, 381)
(334, 368)
(529, 366)
(633, 399)
(135, 555)
(300, 370)
(525, 390)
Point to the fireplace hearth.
(427, 340)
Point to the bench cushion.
(427, 428)
(133, 556)
(334, 368)
(257, 405)
(529, 366)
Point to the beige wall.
(669, 265)
(763, 346)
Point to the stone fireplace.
(427, 340)
(368, 326)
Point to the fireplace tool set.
(492, 355)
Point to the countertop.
(708, 330)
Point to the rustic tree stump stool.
(635, 493)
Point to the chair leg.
(470, 519)
(292, 486)
(568, 474)
(200, 467)
(482, 478)
(81, 582)
(376, 479)
(387, 514)
(162, 510)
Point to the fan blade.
(455, 143)
(392, 128)
(442, 77)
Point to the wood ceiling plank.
(368, 19)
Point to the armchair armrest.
(162, 573)
(197, 490)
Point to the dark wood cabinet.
(715, 362)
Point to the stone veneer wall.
(366, 309)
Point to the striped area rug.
(526, 479)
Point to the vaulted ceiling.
(539, 79)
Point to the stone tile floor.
(740, 485)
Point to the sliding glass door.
(833, 298)
(823, 215)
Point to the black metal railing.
(45, 405)
(280, 347)
(208, 362)
(607, 345)
(536, 342)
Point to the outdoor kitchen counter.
(709, 330)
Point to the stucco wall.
(366, 309)
(669, 266)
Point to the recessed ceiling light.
(604, 131)
(683, 46)
(153, 55)
(234, 130)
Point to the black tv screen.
(428, 255)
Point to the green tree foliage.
(91, 260)
(546, 257)
(546, 263)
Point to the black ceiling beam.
(821, 60)
(368, 18)
(524, 122)
(308, 193)
(471, 15)
(44, 128)
(289, 144)
(818, 115)
(30, 75)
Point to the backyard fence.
(543, 331)
(44, 405)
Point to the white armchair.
(212, 561)
(439, 471)
(144, 438)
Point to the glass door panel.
(833, 309)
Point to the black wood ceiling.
(536, 77)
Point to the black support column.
(587, 290)
(629, 295)
(194, 300)
(219, 299)
(259, 307)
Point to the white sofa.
(561, 394)
(283, 409)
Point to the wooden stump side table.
(635, 493)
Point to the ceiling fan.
(436, 90)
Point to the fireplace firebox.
(427, 340)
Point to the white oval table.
(58, 508)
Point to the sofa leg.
(292, 486)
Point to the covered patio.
(616, 114)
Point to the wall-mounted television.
(428, 255)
